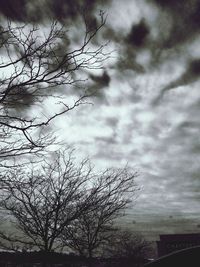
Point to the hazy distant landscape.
(152, 225)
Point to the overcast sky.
(145, 110)
(147, 113)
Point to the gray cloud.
(14, 11)
(61, 10)
(184, 17)
(190, 75)
(138, 34)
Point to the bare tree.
(127, 247)
(90, 231)
(35, 66)
(44, 204)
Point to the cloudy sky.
(147, 113)
(145, 110)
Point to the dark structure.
(175, 242)
(40, 259)
(189, 257)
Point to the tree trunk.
(90, 257)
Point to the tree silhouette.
(93, 228)
(128, 248)
(36, 66)
(48, 204)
